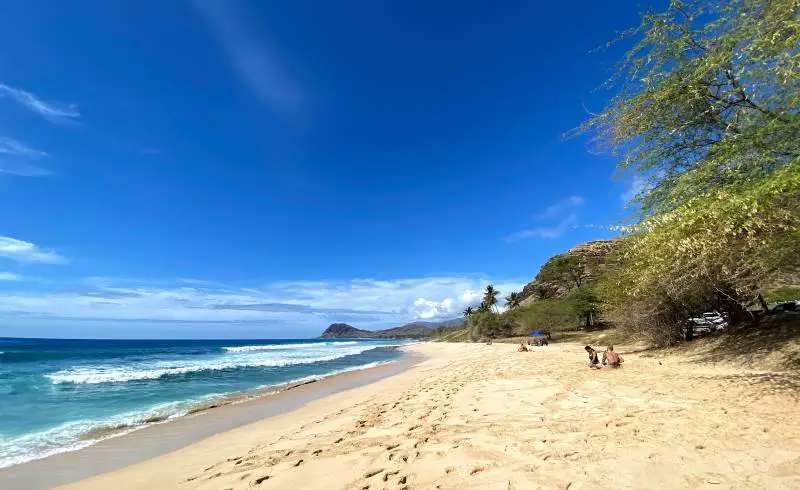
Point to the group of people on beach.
(610, 358)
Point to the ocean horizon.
(59, 395)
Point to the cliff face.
(565, 272)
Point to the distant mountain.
(343, 330)
(414, 330)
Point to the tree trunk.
(763, 302)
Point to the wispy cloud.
(15, 159)
(368, 303)
(252, 57)
(294, 308)
(635, 187)
(22, 251)
(553, 231)
(619, 228)
(9, 146)
(52, 111)
(22, 169)
(560, 207)
(564, 209)
(10, 276)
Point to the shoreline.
(122, 447)
(487, 416)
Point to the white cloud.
(634, 187)
(22, 251)
(13, 154)
(560, 207)
(564, 209)
(9, 146)
(252, 57)
(365, 303)
(10, 276)
(553, 231)
(22, 169)
(52, 111)
(470, 297)
(426, 309)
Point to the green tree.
(556, 314)
(542, 292)
(485, 325)
(566, 271)
(513, 300)
(707, 97)
(490, 297)
(468, 311)
(716, 251)
(706, 113)
(586, 305)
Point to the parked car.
(706, 323)
(785, 307)
(711, 320)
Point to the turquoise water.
(61, 395)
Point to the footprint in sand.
(259, 480)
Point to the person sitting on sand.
(594, 362)
(611, 358)
(522, 348)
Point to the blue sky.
(259, 169)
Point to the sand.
(478, 416)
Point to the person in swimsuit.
(594, 362)
(611, 358)
(522, 348)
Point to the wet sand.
(478, 416)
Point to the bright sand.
(478, 416)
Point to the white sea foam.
(72, 436)
(254, 348)
(97, 374)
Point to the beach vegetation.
(706, 121)
(513, 300)
(490, 298)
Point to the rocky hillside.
(565, 272)
(409, 331)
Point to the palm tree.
(483, 308)
(490, 297)
(513, 300)
(468, 311)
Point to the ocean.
(62, 395)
